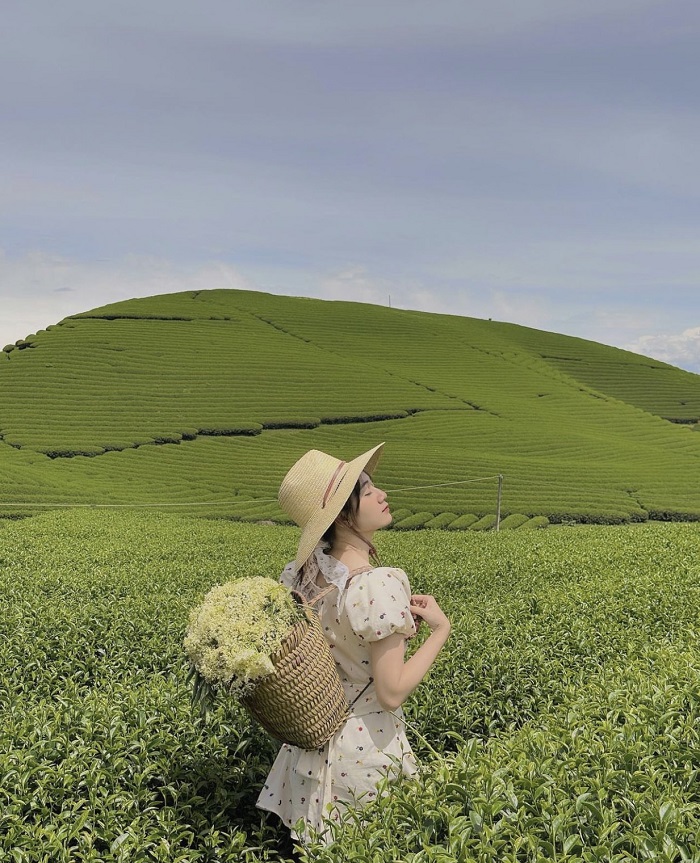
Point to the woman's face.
(373, 511)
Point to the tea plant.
(561, 722)
(201, 401)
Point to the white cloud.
(357, 284)
(38, 289)
(354, 283)
(678, 349)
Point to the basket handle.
(325, 592)
(312, 602)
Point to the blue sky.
(533, 161)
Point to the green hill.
(202, 400)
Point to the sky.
(530, 161)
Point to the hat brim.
(325, 516)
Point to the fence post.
(498, 503)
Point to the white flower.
(238, 628)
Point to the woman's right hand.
(425, 607)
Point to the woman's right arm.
(394, 679)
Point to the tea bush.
(559, 723)
(419, 519)
(233, 386)
(462, 522)
(535, 522)
(514, 521)
(484, 523)
(445, 519)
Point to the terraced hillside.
(202, 400)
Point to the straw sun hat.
(316, 488)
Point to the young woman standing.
(366, 620)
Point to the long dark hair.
(348, 514)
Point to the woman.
(366, 619)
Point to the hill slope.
(203, 399)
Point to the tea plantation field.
(561, 723)
(202, 400)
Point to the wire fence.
(238, 500)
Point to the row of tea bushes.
(613, 778)
(468, 521)
(559, 723)
(101, 382)
(184, 397)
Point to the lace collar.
(333, 571)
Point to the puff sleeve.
(378, 604)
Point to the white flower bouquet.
(234, 633)
(251, 638)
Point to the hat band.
(330, 484)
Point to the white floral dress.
(371, 744)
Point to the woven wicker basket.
(302, 702)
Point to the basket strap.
(364, 689)
(312, 602)
(361, 569)
(362, 692)
(325, 592)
